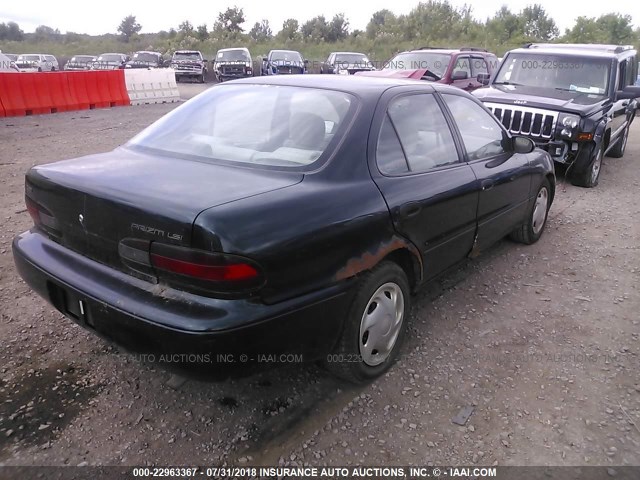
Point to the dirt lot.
(541, 341)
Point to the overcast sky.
(93, 18)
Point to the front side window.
(481, 134)
(421, 131)
(264, 125)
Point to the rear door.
(504, 177)
(431, 194)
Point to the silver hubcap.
(381, 323)
(595, 168)
(540, 210)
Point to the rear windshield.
(266, 125)
(436, 63)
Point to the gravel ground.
(540, 342)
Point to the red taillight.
(209, 273)
(32, 208)
(216, 273)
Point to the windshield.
(249, 124)
(145, 57)
(585, 75)
(186, 56)
(436, 63)
(352, 58)
(286, 56)
(110, 58)
(29, 58)
(233, 56)
(81, 59)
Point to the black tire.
(586, 173)
(348, 361)
(533, 227)
(618, 150)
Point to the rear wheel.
(587, 173)
(618, 150)
(375, 326)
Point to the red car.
(464, 68)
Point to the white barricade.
(151, 85)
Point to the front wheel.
(587, 174)
(375, 326)
(531, 230)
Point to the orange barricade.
(63, 100)
(98, 95)
(78, 89)
(35, 93)
(119, 88)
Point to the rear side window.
(414, 136)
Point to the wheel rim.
(540, 210)
(595, 167)
(381, 323)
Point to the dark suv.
(574, 100)
(463, 67)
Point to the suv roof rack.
(462, 49)
(583, 46)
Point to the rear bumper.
(149, 318)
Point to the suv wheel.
(618, 150)
(375, 326)
(589, 174)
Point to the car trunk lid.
(95, 202)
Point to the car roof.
(282, 50)
(575, 49)
(233, 48)
(147, 51)
(187, 51)
(350, 53)
(112, 53)
(347, 83)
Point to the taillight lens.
(41, 216)
(199, 271)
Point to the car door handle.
(410, 210)
(487, 184)
(625, 104)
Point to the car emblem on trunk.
(81, 220)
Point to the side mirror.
(523, 145)
(483, 78)
(459, 75)
(628, 93)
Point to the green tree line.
(434, 23)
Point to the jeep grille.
(532, 122)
